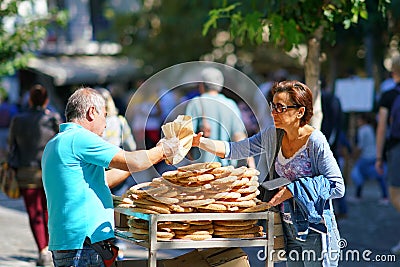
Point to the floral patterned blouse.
(298, 165)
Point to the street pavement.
(368, 233)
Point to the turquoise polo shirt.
(78, 198)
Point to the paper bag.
(182, 128)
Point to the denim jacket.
(310, 200)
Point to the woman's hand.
(282, 195)
(196, 139)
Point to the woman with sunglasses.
(302, 155)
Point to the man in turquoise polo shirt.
(76, 184)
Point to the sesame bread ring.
(145, 202)
(125, 206)
(247, 189)
(241, 235)
(233, 209)
(254, 178)
(121, 199)
(198, 166)
(156, 208)
(134, 196)
(179, 209)
(173, 225)
(165, 200)
(170, 193)
(235, 222)
(165, 235)
(157, 190)
(213, 207)
(194, 232)
(207, 222)
(201, 171)
(194, 237)
(197, 203)
(239, 171)
(241, 204)
(138, 231)
(220, 228)
(140, 237)
(136, 189)
(141, 210)
(205, 227)
(247, 197)
(185, 174)
(200, 210)
(189, 197)
(253, 183)
(250, 172)
(188, 189)
(227, 195)
(138, 223)
(225, 180)
(201, 178)
(240, 182)
(220, 170)
(159, 180)
(170, 175)
(257, 208)
(252, 230)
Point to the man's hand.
(169, 146)
(282, 195)
(196, 139)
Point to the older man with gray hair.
(81, 214)
(216, 115)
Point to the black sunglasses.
(279, 108)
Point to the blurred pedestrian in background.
(7, 112)
(387, 144)
(365, 151)
(217, 116)
(117, 132)
(29, 133)
(332, 128)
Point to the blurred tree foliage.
(289, 23)
(20, 35)
(163, 33)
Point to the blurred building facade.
(82, 53)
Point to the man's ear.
(90, 114)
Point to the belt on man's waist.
(87, 241)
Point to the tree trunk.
(312, 69)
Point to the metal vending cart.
(267, 241)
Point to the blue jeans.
(86, 257)
(309, 253)
(363, 169)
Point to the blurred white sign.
(355, 94)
